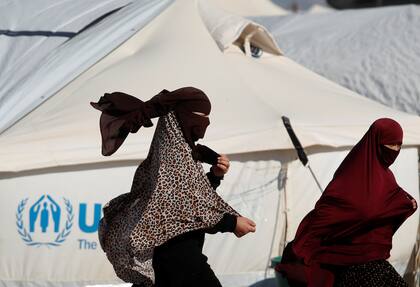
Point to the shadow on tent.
(294, 5)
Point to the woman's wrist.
(215, 175)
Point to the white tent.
(374, 52)
(55, 149)
(250, 7)
(42, 34)
(271, 7)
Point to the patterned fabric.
(377, 273)
(170, 195)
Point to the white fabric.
(35, 67)
(256, 186)
(67, 262)
(251, 187)
(248, 8)
(176, 50)
(226, 28)
(319, 8)
(374, 52)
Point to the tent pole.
(299, 149)
(316, 180)
(282, 177)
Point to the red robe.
(354, 220)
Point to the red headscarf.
(122, 114)
(354, 220)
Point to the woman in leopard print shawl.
(171, 202)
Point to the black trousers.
(180, 262)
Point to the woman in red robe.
(346, 239)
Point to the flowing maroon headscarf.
(354, 220)
(123, 114)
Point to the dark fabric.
(377, 273)
(354, 220)
(193, 126)
(226, 224)
(205, 154)
(214, 180)
(292, 267)
(123, 114)
(179, 262)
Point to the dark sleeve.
(228, 221)
(214, 180)
(226, 224)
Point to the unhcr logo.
(49, 222)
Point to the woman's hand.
(222, 166)
(413, 201)
(244, 226)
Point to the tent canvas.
(55, 149)
(373, 52)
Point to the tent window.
(256, 52)
(254, 41)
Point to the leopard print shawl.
(170, 195)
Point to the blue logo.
(45, 218)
